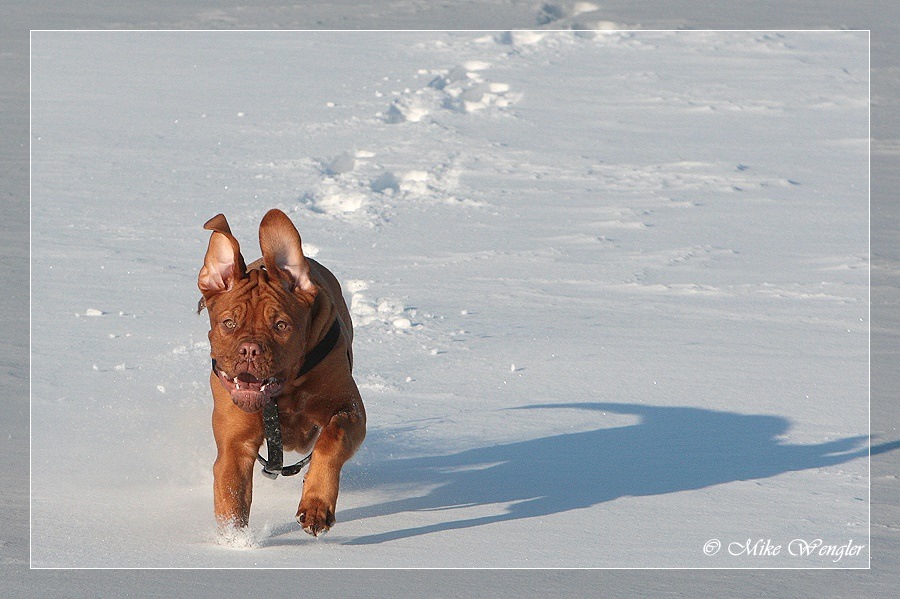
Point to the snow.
(610, 290)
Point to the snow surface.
(610, 290)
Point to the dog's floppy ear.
(223, 264)
(282, 252)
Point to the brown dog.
(264, 321)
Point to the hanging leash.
(273, 466)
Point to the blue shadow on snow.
(670, 449)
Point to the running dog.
(280, 336)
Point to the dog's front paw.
(315, 516)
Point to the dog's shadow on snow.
(670, 449)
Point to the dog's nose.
(249, 350)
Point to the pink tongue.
(246, 377)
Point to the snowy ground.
(610, 290)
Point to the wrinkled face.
(257, 335)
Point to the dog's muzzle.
(248, 392)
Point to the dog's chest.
(298, 432)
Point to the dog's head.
(259, 317)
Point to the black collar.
(322, 348)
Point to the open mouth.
(248, 392)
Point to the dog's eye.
(229, 323)
(281, 325)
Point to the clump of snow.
(520, 38)
(407, 109)
(236, 537)
(583, 7)
(356, 285)
(462, 88)
(586, 23)
(475, 65)
(402, 323)
(455, 75)
(380, 311)
(329, 199)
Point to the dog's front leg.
(232, 488)
(237, 443)
(339, 440)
